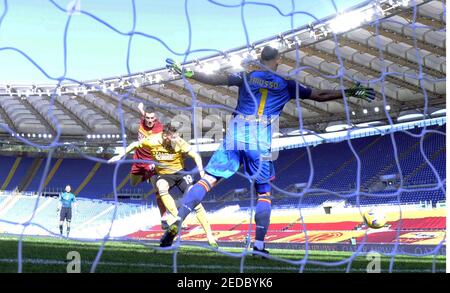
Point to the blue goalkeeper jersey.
(271, 92)
(67, 198)
(254, 115)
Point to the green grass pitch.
(50, 255)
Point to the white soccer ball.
(375, 218)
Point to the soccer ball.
(375, 218)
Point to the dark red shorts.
(142, 170)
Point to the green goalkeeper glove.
(361, 92)
(176, 67)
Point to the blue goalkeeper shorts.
(257, 163)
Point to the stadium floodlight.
(388, 108)
(299, 132)
(103, 136)
(277, 44)
(158, 78)
(405, 3)
(28, 135)
(376, 109)
(49, 136)
(440, 112)
(365, 111)
(296, 41)
(135, 83)
(23, 134)
(369, 124)
(44, 135)
(235, 61)
(39, 135)
(88, 136)
(33, 135)
(347, 21)
(353, 113)
(108, 136)
(337, 127)
(253, 55)
(410, 115)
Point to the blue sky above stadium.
(94, 51)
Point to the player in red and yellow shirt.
(150, 125)
(142, 172)
(168, 149)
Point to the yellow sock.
(201, 217)
(169, 203)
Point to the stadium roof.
(401, 57)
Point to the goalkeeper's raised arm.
(358, 91)
(211, 79)
(271, 62)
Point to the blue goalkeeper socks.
(262, 217)
(193, 198)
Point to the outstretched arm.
(211, 79)
(59, 205)
(325, 95)
(358, 91)
(130, 148)
(141, 109)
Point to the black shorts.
(66, 214)
(182, 181)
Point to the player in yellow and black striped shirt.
(168, 151)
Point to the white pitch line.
(41, 261)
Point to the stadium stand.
(335, 173)
(87, 213)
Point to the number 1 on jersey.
(262, 103)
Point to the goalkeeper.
(261, 98)
(167, 149)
